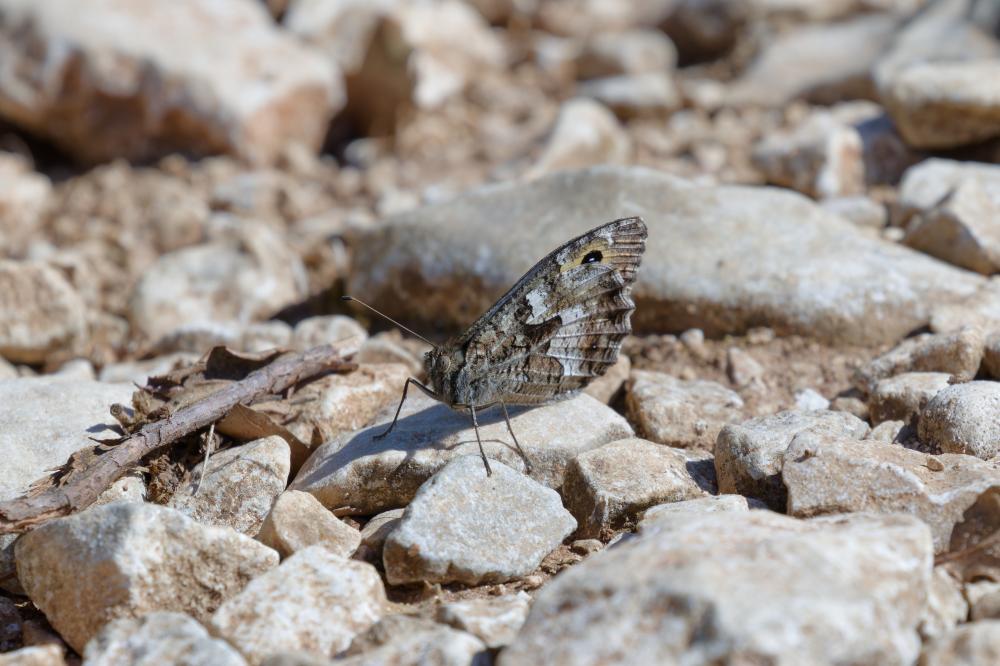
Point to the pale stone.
(652, 516)
(944, 104)
(608, 487)
(337, 330)
(375, 532)
(297, 520)
(358, 474)
(42, 313)
(946, 605)
(651, 94)
(250, 275)
(494, 620)
(401, 640)
(972, 644)
(126, 560)
(182, 76)
(129, 488)
(40, 655)
(962, 419)
(797, 283)
(833, 474)
(387, 347)
(927, 184)
(48, 419)
(958, 354)
(138, 372)
(903, 397)
(585, 133)
(315, 602)
(686, 414)
(845, 590)
(984, 599)
(158, 638)
(630, 52)
(608, 386)
(464, 526)
(749, 456)
(341, 403)
(859, 210)
(240, 487)
(23, 199)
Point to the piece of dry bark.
(220, 389)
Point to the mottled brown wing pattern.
(562, 324)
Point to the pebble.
(314, 602)
(904, 396)
(585, 133)
(645, 95)
(691, 593)
(494, 620)
(686, 414)
(376, 531)
(608, 487)
(958, 354)
(338, 330)
(409, 641)
(42, 313)
(946, 605)
(158, 638)
(127, 560)
(39, 655)
(240, 487)
(464, 526)
(828, 473)
(297, 520)
(968, 645)
(962, 419)
(663, 513)
(749, 456)
(356, 474)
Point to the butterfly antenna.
(387, 317)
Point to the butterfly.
(559, 327)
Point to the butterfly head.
(441, 363)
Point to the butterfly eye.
(592, 257)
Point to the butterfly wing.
(559, 326)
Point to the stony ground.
(793, 462)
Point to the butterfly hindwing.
(559, 326)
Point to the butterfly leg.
(475, 425)
(524, 456)
(409, 380)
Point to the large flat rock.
(723, 259)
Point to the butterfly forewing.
(561, 325)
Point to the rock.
(686, 414)
(375, 532)
(962, 419)
(808, 400)
(700, 237)
(608, 487)
(984, 599)
(742, 368)
(860, 211)
(10, 625)
(968, 645)
(42, 313)
(158, 638)
(903, 397)
(889, 431)
(981, 309)
(648, 95)
(585, 133)
(652, 516)
(749, 456)
(464, 526)
(401, 640)
(22, 202)
(925, 185)
(42, 655)
(177, 79)
(704, 30)
(357, 474)
(129, 488)
(827, 473)
(608, 386)
(48, 419)
(240, 487)
(297, 520)
(495, 621)
(939, 105)
(126, 560)
(8, 566)
(138, 372)
(958, 354)
(265, 336)
(630, 52)
(959, 228)
(342, 403)
(991, 355)
(388, 347)
(315, 602)
(691, 593)
(819, 63)
(946, 606)
(337, 330)
(250, 275)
